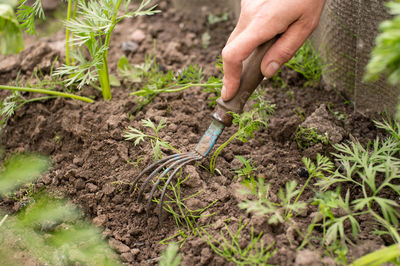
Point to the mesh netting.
(345, 38)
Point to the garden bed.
(93, 165)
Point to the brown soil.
(91, 157)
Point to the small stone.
(100, 220)
(138, 36)
(118, 246)
(79, 184)
(92, 187)
(46, 179)
(307, 257)
(127, 257)
(108, 189)
(303, 172)
(78, 161)
(135, 251)
(129, 47)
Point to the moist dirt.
(94, 166)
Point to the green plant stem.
(36, 100)
(104, 75)
(219, 150)
(379, 257)
(171, 88)
(67, 34)
(49, 92)
(300, 193)
(72, 43)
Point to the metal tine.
(156, 171)
(159, 180)
(150, 167)
(160, 203)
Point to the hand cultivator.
(250, 79)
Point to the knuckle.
(228, 55)
(285, 53)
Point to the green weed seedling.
(308, 63)
(214, 19)
(255, 253)
(171, 257)
(11, 38)
(92, 27)
(247, 170)
(248, 123)
(154, 82)
(185, 218)
(277, 212)
(306, 137)
(156, 142)
(46, 230)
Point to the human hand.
(260, 21)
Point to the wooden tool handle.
(249, 80)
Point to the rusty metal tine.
(156, 171)
(160, 203)
(150, 167)
(159, 179)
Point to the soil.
(94, 166)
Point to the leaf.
(11, 39)
(114, 81)
(171, 257)
(21, 169)
(205, 39)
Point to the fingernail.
(271, 69)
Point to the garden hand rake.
(250, 79)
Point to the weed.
(47, 230)
(277, 81)
(156, 142)
(171, 257)
(27, 14)
(300, 113)
(338, 115)
(248, 123)
(153, 81)
(255, 253)
(380, 257)
(185, 218)
(205, 39)
(248, 168)
(385, 56)
(214, 19)
(11, 38)
(278, 212)
(308, 63)
(92, 29)
(306, 137)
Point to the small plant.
(27, 13)
(171, 257)
(214, 19)
(306, 137)
(385, 56)
(308, 63)
(185, 218)
(92, 29)
(248, 123)
(380, 257)
(154, 82)
(47, 230)
(11, 38)
(255, 253)
(155, 140)
(278, 212)
(248, 168)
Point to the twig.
(3, 220)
